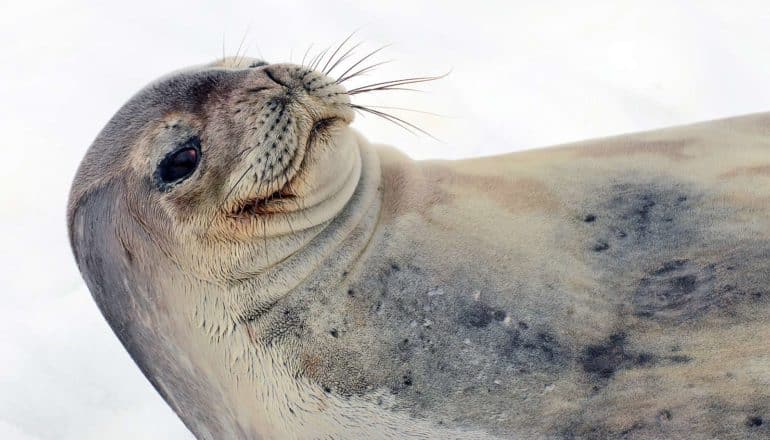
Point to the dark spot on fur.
(664, 415)
(652, 216)
(669, 266)
(605, 359)
(601, 246)
(546, 344)
(754, 421)
(432, 350)
(477, 315)
(590, 218)
(678, 289)
(685, 284)
(680, 359)
(334, 333)
(644, 359)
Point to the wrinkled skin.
(303, 283)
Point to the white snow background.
(523, 74)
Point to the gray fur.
(541, 300)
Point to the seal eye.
(180, 163)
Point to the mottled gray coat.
(617, 288)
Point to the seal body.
(615, 288)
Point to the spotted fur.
(616, 288)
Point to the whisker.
(237, 52)
(305, 55)
(301, 206)
(361, 61)
(400, 125)
(229, 193)
(336, 51)
(312, 61)
(396, 120)
(259, 52)
(345, 56)
(404, 109)
(286, 215)
(387, 118)
(363, 71)
(223, 48)
(380, 89)
(320, 58)
(400, 82)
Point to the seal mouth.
(272, 204)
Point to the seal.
(275, 275)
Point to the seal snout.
(321, 96)
(292, 136)
(275, 78)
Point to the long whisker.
(229, 193)
(320, 58)
(336, 51)
(399, 82)
(395, 120)
(404, 109)
(237, 52)
(379, 89)
(312, 61)
(223, 48)
(286, 215)
(301, 206)
(363, 71)
(342, 58)
(361, 61)
(392, 121)
(305, 55)
(259, 52)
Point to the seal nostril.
(272, 76)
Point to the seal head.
(193, 197)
